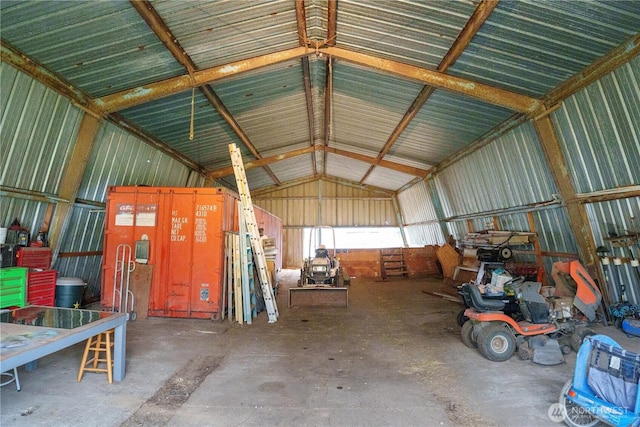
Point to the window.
(353, 238)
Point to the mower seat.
(480, 303)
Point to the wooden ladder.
(392, 263)
(254, 234)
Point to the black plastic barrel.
(69, 292)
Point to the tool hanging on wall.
(623, 308)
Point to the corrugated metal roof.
(531, 46)
(526, 46)
(100, 47)
(345, 167)
(418, 33)
(599, 131)
(293, 169)
(367, 106)
(509, 172)
(269, 105)
(215, 33)
(387, 178)
(169, 121)
(447, 123)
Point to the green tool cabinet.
(13, 287)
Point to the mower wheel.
(461, 318)
(578, 336)
(496, 342)
(575, 415)
(467, 335)
(523, 353)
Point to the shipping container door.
(131, 217)
(208, 241)
(175, 287)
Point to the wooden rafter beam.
(332, 22)
(141, 94)
(623, 53)
(146, 10)
(264, 191)
(472, 26)
(308, 95)
(492, 95)
(301, 21)
(410, 170)
(252, 164)
(19, 60)
(478, 18)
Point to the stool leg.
(108, 350)
(96, 350)
(84, 359)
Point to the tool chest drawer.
(13, 287)
(33, 257)
(41, 287)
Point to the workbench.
(29, 333)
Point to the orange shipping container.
(184, 228)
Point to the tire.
(575, 415)
(467, 335)
(461, 319)
(578, 336)
(523, 353)
(496, 342)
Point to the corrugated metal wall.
(39, 132)
(598, 129)
(324, 202)
(328, 203)
(118, 158)
(510, 171)
(39, 129)
(421, 225)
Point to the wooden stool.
(101, 343)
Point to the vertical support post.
(71, 180)
(578, 219)
(399, 218)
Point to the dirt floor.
(392, 358)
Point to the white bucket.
(3, 235)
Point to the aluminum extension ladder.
(254, 235)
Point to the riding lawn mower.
(544, 330)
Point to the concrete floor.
(393, 358)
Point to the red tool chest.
(34, 257)
(41, 287)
